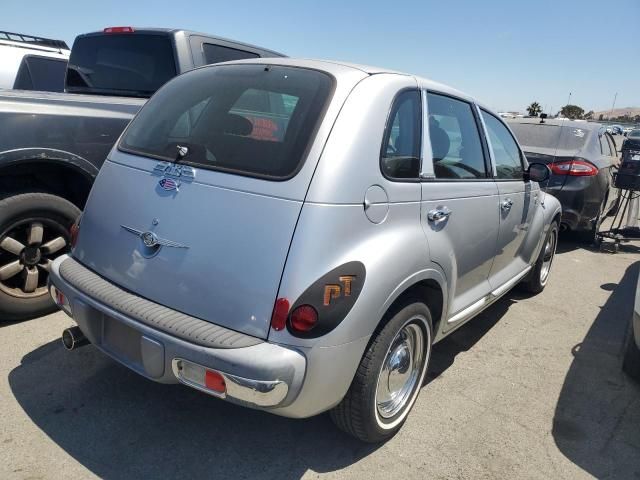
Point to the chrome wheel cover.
(402, 369)
(549, 251)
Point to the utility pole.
(613, 106)
(569, 99)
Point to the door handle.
(506, 205)
(439, 214)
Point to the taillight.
(574, 168)
(73, 233)
(303, 318)
(118, 30)
(280, 313)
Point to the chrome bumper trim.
(261, 393)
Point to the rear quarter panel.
(333, 228)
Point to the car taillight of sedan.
(574, 168)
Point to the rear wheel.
(34, 230)
(539, 275)
(389, 377)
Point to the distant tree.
(589, 115)
(600, 117)
(573, 112)
(636, 119)
(534, 109)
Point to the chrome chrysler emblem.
(150, 239)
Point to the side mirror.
(537, 172)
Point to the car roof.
(173, 31)
(338, 68)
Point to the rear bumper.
(261, 375)
(581, 199)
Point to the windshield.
(635, 134)
(250, 119)
(543, 135)
(120, 64)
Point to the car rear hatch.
(550, 143)
(196, 208)
(549, 156)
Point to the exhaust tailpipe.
(73, 338)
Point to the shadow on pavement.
(120, 425)
(463, 339)
(597, 419)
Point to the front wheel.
(34, 230)
(539, 275)
(389, 377)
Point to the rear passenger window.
(218, 53)
(505, 149)
(455, 140)
(400, 157)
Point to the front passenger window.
(505, 149)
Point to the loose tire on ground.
(361, 413)
(34, 230)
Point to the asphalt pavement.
(532, 388)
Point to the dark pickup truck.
(53, 144)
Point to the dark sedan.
(582, 157)
(632, 142)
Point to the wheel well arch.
(60, 178)
(429, 291)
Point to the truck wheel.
(631, 359)
(539, 275)
(34, 230)
(389, 376)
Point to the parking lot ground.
(532, 388)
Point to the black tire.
(358, 413)
(17, 215)
(535, 282)
(631, 359)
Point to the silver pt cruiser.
(295, 235)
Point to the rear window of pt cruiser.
(254, 120)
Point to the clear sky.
(505, 53)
